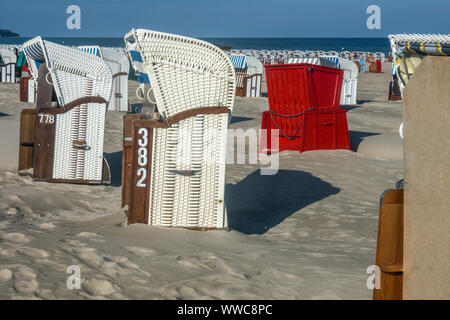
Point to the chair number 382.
(46, 118)
(142, 157)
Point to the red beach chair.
(304, 108)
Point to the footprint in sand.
(141, 252)
(46, 226)
(11, 212)
(98, 287)
(34, 253)
(5, 274)
(25, 281)
(88, 255)
(88, 235)
(16, 237)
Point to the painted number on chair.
(46, 118)
(142, 157)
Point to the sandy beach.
(308, 232)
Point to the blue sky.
(226, 18)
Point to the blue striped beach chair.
(350, 81)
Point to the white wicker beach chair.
(7, 65)
(253, 80)
(179, 162)
(350, 81)
(68, 144)
(117, 60)
(120, 66)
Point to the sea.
(326, 44)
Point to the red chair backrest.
(294, 88)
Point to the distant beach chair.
(240, 66)
(304, 108)
(249, 72)
(380, 56)
(319, 61)
(8, 61)
(410, 49)
(350, 81)
(120, 66)
(8, 56)
(253, 80)
(177, 163)
(68, 139)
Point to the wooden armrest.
(118, 74)
(73, 104)
(391, 268)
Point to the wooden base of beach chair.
(37, 143)
(241, 74)
(26, 140)
(137, 169)
(24, 89)
(389, 256)
(127, 148)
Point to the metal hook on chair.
(148, 97)
(46, 79)
(137, 95)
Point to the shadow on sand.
(349, 107)
(115, 165)
(240, 119)
(258, 203)
(356, 137)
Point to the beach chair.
(8, 56)
(249, 72)
(350, 81)
(409, 50)
(120, 66)
(8, 72)
(118, 61)
(240, 66)
(68, 139)
(8, 61)
(304, 108)
(178, 158)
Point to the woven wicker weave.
(74, 75)
(187, 74)
(184, 73)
